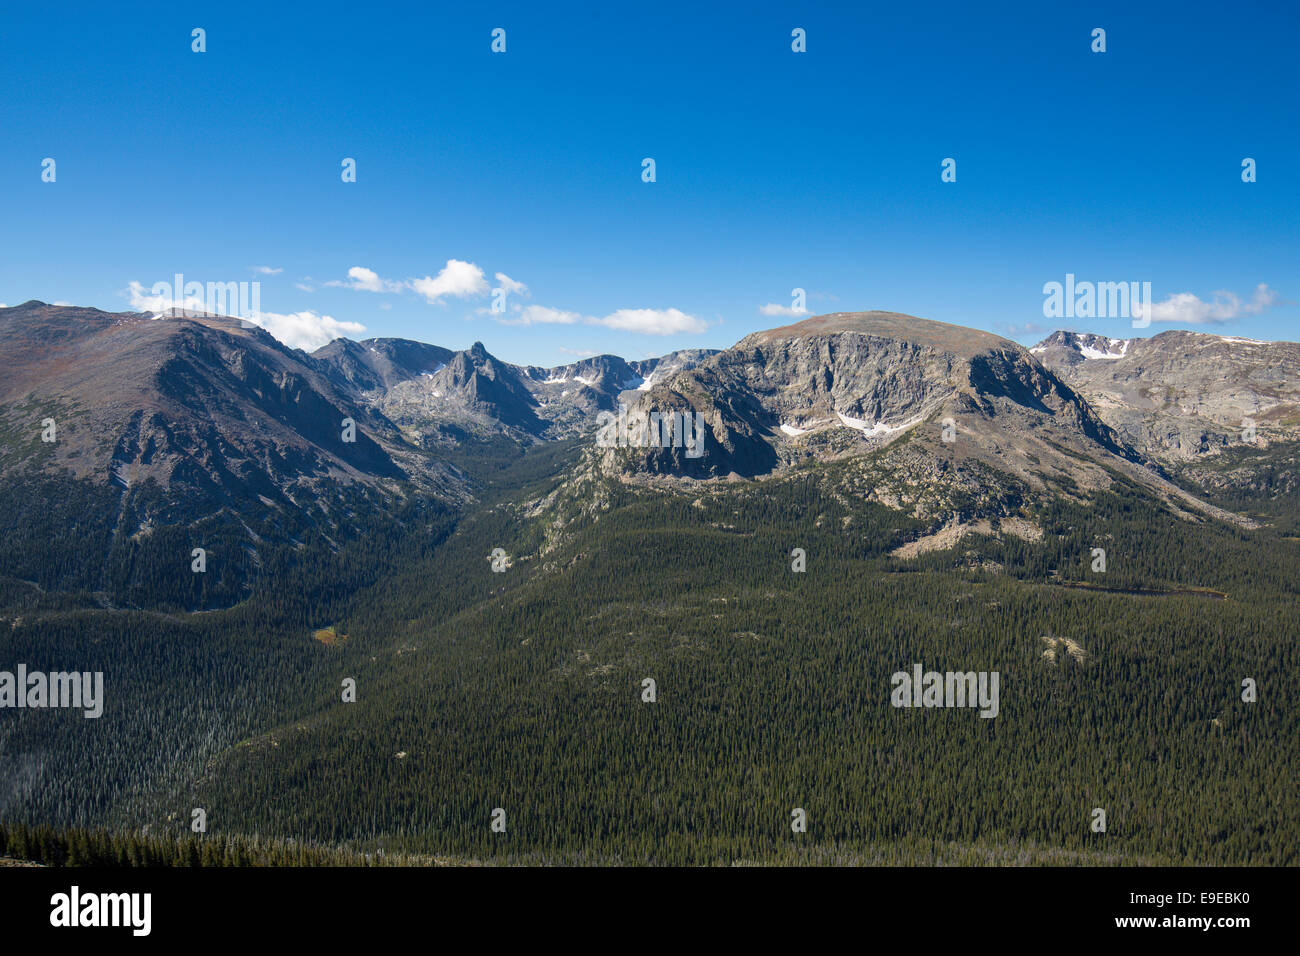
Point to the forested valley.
(518, 697)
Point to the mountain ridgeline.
(148, 430)
(230, 530)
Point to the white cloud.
(773, 309)
(1186, 308)
(457, 278)
(580, 353)
(266, 271)
(644, 321)
(305, 330)
(303, 287)
(510, 286)
(362, 279)
(541, 315)
(652, 321)
(143, 301)
(3, 306)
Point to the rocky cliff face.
(858, 382)
(476, 395)
(1068, 349)
(934, 414)
(378, 364)
(1180, 395)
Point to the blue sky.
(775, 170)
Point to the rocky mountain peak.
(894, 326)
(1182, 394)
(1071, 348)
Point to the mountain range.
(179, 420)
(431, 586)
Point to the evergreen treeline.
(73, 847)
